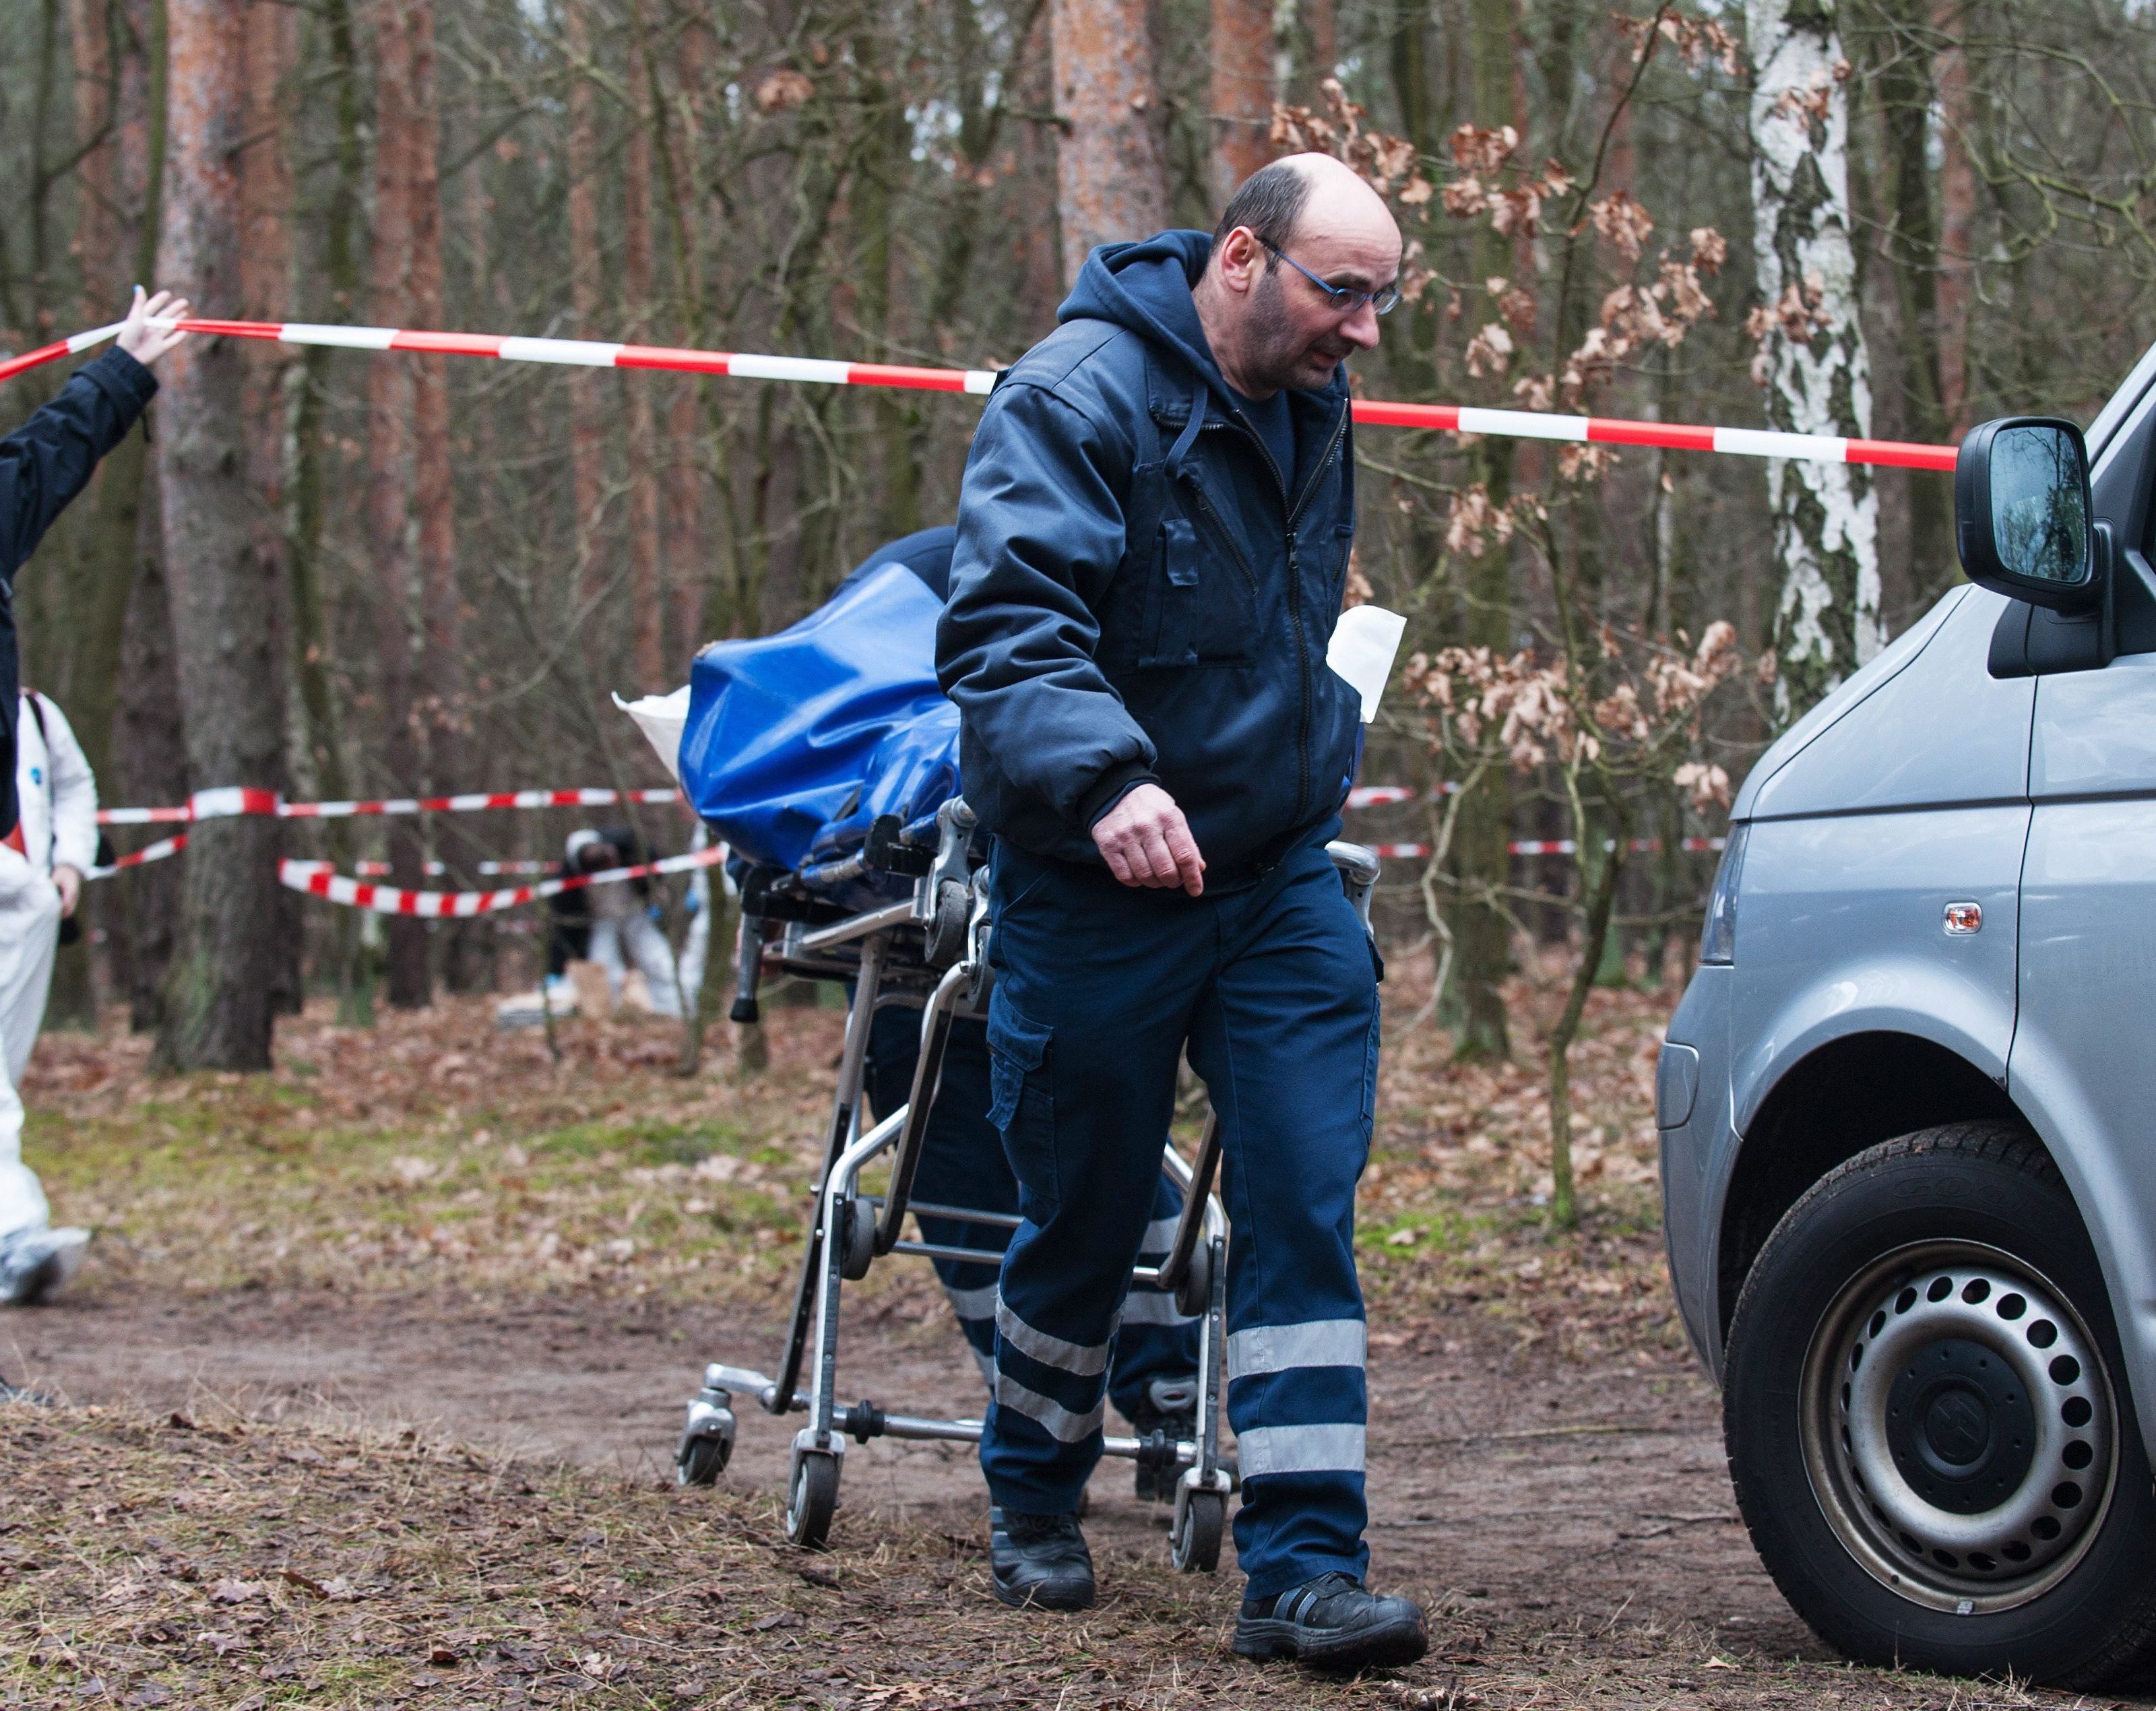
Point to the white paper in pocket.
(662, 720)
(1364, 642)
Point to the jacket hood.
(1146, 288)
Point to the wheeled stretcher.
(929, 949)
(827, 756)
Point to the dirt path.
(1524, 1490)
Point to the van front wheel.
(1931, 1443)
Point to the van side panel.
(2084, 1061)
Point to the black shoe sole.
(1042, 1597)
(1387, 1647)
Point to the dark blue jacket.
(44, 464)
(1139, 593)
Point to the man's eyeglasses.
(1345, 300)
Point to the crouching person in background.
(43, 863)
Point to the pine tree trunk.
(1242, 92)
(150, 764)
(1957, 219)
(1817, 372)
(1111, 170)
(441, 603)
(586, 404)
(1906, 91)
(1481, 934)
(647, 620)
(219, 1010)
(265, 276)
(390, 416)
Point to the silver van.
(1908, 1102)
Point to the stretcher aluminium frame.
(930, 950)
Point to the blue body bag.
(796, 742)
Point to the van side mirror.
(2022, 513)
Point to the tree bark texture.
(392, 415)
(218, 1011)
(647, 618)
(1908, 89)
(1241, 93)
(1481, 859)
(1111, 170)
(265, 279)
(586, 403)
(1817, 372)
(1957, 217)
(150, 764)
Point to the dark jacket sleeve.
(1041, 535)
(48, 460)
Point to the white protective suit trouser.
(29, 935)
(619, 941)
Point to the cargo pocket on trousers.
(1022, 1097)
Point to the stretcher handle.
(1192, 1223)
(927, 1076)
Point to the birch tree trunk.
(1111, 170)
(1241, 93)
(1812, 360)
(218, 1011)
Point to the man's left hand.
(69, 882)
(146, 343)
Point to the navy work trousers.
(962, 1164)
(1273, 991)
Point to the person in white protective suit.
(43, 863)
(623, 934)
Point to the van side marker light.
(1964, 919)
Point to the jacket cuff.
(124, 381)
(1110, 787)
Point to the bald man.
(1153, 546)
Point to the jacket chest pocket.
(1200, 607)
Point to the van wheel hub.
(1958, 1425)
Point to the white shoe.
(34, 1264)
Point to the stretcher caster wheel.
(857, 1231)
(700, 1461)
(813, 1499)
(707, 1441)
(1194, 1290)
(946, 942)
(1193, 1541)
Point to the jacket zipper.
(1294, 512)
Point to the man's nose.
(1360, 329)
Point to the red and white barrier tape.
(227, 800)
(1541, 847)
(319, 879)
(74, 345)
(1452, 418)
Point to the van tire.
(1974, 1213)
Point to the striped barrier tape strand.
(1541, 847)
(319, 879)
(1450, 418)
(74, 345)
(227, 800)
(134, 858)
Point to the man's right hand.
(1147, 843)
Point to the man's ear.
(1240, 258)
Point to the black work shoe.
(1039, 1561)
(1334, 1621)
(1156, 1484)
